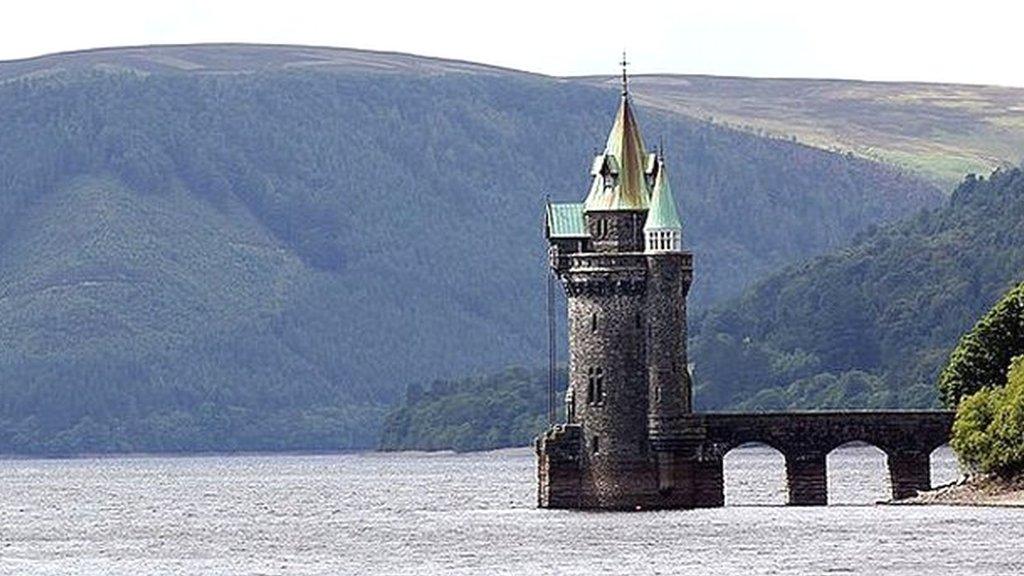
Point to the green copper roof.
(566, 221)
(626, 159)
(662, 214)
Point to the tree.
(980, 359)
(988, 434)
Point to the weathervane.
(625, 81)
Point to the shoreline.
(979, 491)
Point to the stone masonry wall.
(606, 308)
(668, 378)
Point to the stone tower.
(619, 256)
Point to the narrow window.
(639, 321)
(590, 386)
(599, 385)
(595, 444)
(593, 322)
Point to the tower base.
(663, 481)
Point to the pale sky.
(973, 42)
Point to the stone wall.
(606, 305)
(669, 389)
(616, 231)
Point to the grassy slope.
(941, 131)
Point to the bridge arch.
(754, 474)
(945, 469)
(858, 473)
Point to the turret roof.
(662, 214)
(626, 158)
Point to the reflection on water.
(418, 513)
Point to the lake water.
(414, 513)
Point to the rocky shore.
(974, 491)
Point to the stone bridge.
(805, 438)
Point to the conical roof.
(624, 156)
(662, 214)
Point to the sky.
(974, 42)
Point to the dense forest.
(499, 410)
(869, 326)
(232, 248)
(873, 324)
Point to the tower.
(619, 256)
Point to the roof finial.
(625, 81)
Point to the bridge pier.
(909, 472)
(807, 479)
(708, 482)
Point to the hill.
(940, 131)
(868, 326)
(233, 247)
(872, 324)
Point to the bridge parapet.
(805, 439)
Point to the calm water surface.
(417, 513)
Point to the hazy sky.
(977, 41)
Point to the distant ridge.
(244, 57)
(940, 131)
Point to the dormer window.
(609, 180)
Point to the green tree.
(980, 359)
(988, 434)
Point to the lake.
(416, 513)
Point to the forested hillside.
(239, 247)
(500, 410)
(871, 325)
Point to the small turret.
(663, 231)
